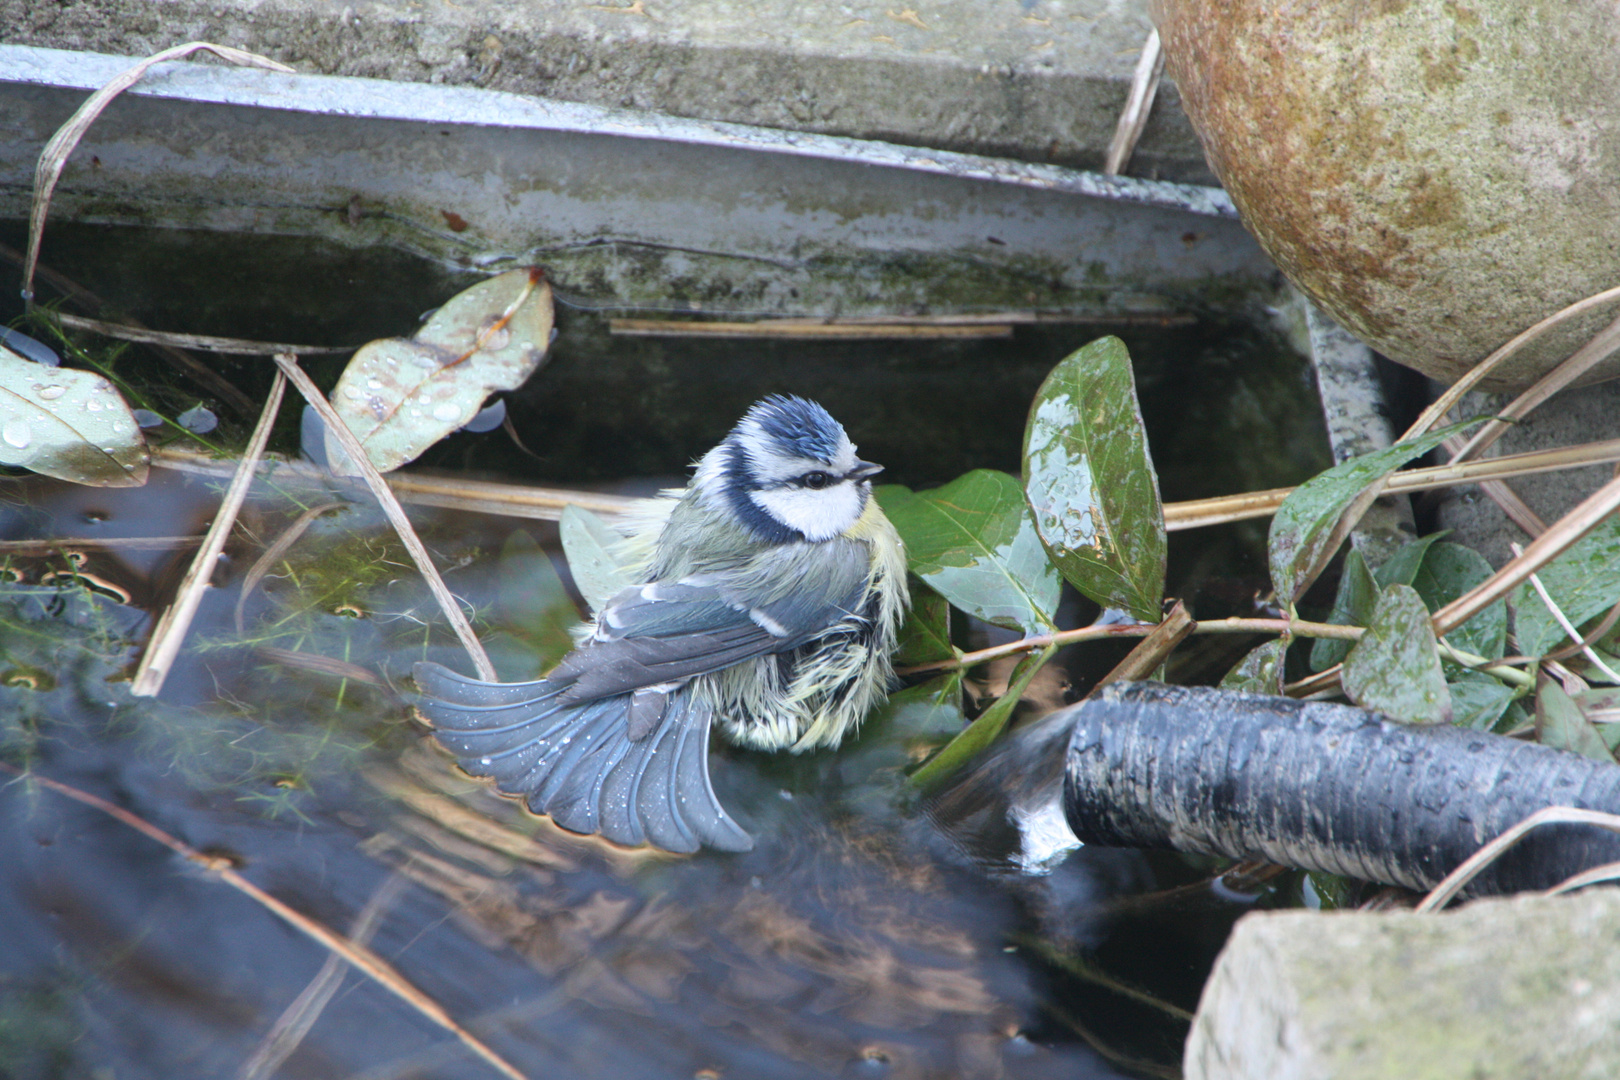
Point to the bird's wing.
(577, 764)
(665, 633)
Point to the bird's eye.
(816, 480)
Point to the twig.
(473, 496)
(1197, 513)
(1563, 621)
(54, 157)
(1094, 633)
(1499, 669)
(295, 1022)
(1602, 345)
(1503, 496)
(797, 328)
(547, 504)
(1138, 104)
(1482, 370)
(275, 551)
(1603, 627)
(1546, 547)
(206, 342)
(122, 543)
(171, 629)
(1151, 651)
(324, 665)
(1453, 882)
(359, 956)
(1606, 872)
(396, 513)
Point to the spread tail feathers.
(578, 763)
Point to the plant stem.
(1095, 633)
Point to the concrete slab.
(1499, 989)
(1037, 80)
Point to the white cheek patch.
(819, 515)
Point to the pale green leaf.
(1449, 571)
(1395, 667)
(1090, 481)
(1561, 725)
(1306, 532)
(1584, 582)
(1261, 671)
(983, 731)
(594, 553)
(1479, 701)
(69, 424)
(925, 637)
(401, 396)
(974, 543)
(1352, 606)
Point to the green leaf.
(1602, 706)
(534, 607)
(1311, 523)
(1090, 481)
(69, 424)
(1358, 593)
(983, 731)
(1395, 667)
(1403, 566)
(1478, 701)
(925, 636)
(1261, 671)
(1584, 582)
(401, 396)
(1449, 571)
(592, 549)
(973, 542)
(1561, 724)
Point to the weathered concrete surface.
(1575, 416)
(1039, 80)
(1498, 990)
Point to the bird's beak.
(862, 470)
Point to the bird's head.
(787, 472)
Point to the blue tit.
(772, 593)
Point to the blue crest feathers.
(802, 426)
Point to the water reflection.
(857, 939)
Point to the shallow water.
(859, 938)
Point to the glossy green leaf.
(401, 396)
(1584, 582)
(1561, 725)
(925, 636)
(1449, 571)
(973, 542)
(1091, 484)
(1403, 566)
(983, 731)
(1352, 606)
(1478, 701)
(69, 424)
(593, 550)
(1395, 667)
(1315, 518)
(1261, 671)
